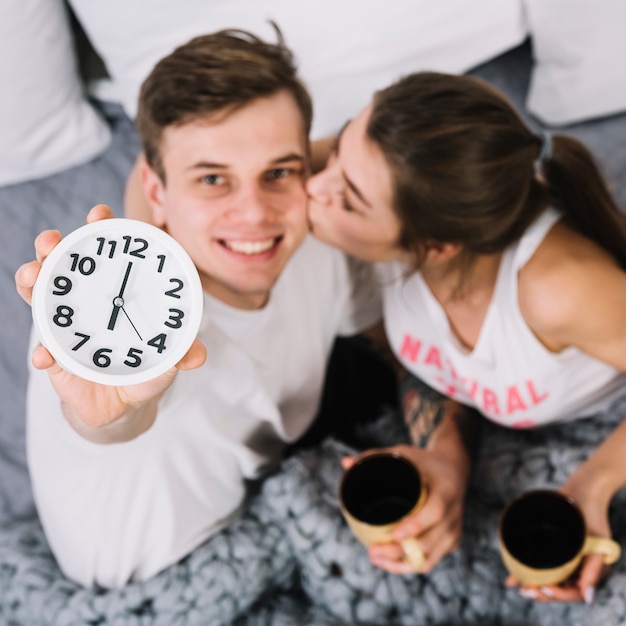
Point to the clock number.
(175, 317)
(174, 292)
(83, 341)
(161, 258)
(112, 244)
(85, 266)
(63, 316)
(158, 342)
(101, 358)
(143, 244)
(63, 286)
(133, 354)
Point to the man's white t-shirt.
(121, 512)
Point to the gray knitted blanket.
(292, 560)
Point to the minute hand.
(118, 301)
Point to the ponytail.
(577, 189)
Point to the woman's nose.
(318, 187)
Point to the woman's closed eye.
(345, 205)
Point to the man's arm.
(320, 151)
(375, 338)
(135, 202)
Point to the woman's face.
(350, 201)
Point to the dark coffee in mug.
(543, 538)
(543, 529)
(381, 489)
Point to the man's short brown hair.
(214, 74)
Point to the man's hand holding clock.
(110, 370)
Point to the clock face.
(117, 302)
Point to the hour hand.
(114, 313)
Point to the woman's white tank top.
(509, 376)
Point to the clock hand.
(126, 275)
(131, 323)
(114, 312)
(118, 301)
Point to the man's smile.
(250, 247)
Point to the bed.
(44, 186)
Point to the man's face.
(234, 196)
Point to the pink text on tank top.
(502, 403)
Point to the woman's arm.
(572, 293)
(443, 433)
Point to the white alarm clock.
(117, 302)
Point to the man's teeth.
(250, 247)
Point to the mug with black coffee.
(376, 494)
(543, 538)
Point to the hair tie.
(545, 152)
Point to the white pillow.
(345, 49)
(46, 124)
(580, 59)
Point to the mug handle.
(609, 549)
(413, 554)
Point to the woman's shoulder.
(568, 278)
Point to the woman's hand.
(437, 526)
(586, 491)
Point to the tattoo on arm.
(424, 410)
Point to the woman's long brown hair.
(464, 169)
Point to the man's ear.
(437, 252)
(154, 192)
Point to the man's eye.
(213, 179)
(278, 173)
